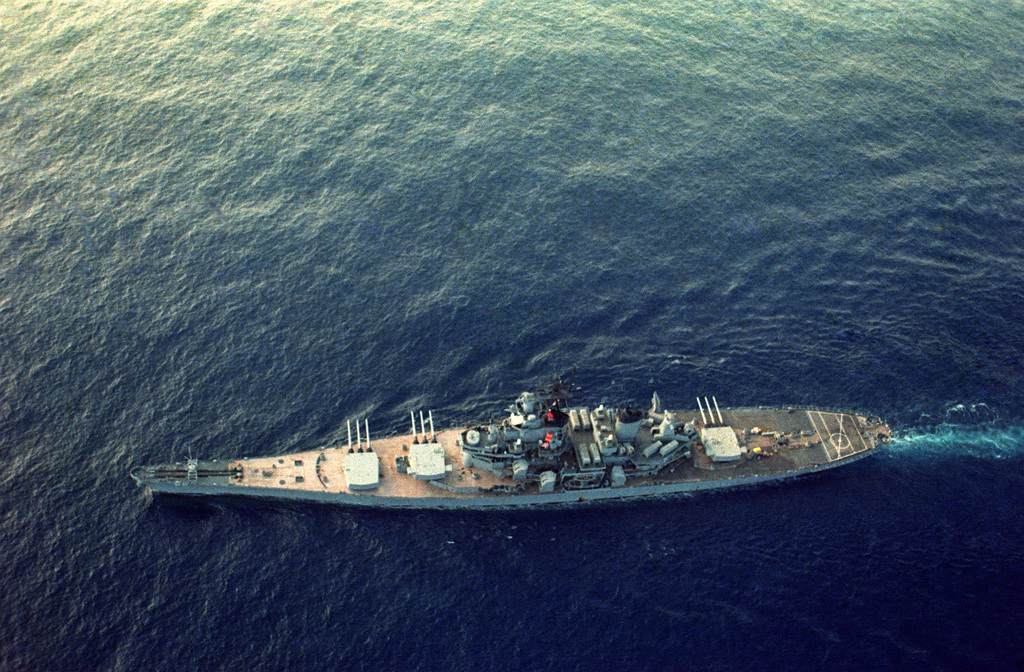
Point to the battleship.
(545, 451)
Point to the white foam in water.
(986, 442)
(961, 414)
(228, 227)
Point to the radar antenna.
(192, 469)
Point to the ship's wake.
(961, 414)
(980, 442)
(977, 430)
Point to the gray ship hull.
(596, 496)
(604, 461)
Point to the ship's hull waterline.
(596, 496)
(546, 453)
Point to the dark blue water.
(228, 227)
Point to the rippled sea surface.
(227, 227)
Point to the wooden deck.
(810, 439)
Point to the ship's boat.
(546, 450)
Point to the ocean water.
(227, 227)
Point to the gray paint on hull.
(572, 498)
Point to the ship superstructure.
(545, 450)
